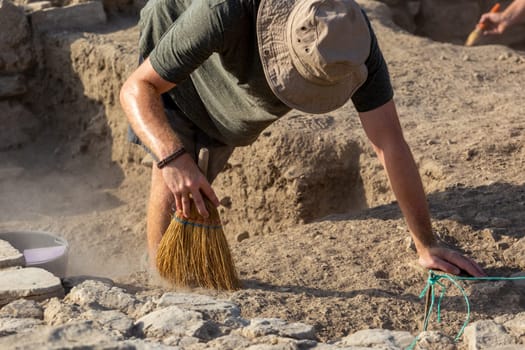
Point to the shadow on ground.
(498, 206)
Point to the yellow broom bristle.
(473, 37)
(195, 252)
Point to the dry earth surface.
(327, 245)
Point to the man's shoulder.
(230, 6)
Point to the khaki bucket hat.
(313, 51)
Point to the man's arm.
(382, 127)
(140, 98)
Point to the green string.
(433, 279)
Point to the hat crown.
(327, 39)
(313, 52)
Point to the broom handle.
(204, 155)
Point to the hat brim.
(283, 78)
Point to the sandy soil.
(327, 245)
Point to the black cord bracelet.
(171, 157)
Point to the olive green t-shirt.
(208, 48)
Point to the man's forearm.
(384, 131)
(515, 13)
(406, 184)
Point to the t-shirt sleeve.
(188, 42)
(377, 89)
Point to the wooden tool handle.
(204, 156)
(495, 8)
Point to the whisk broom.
(194, 251)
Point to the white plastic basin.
(40, 249)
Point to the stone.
(32, 283)
(516, 326)
(37, 5)
(140, 344)
(173, 320)
(486, 334)
(183, 342)
(98, 294)
(515, 253)
(434, 341)
(210, 308)
(71, 281)
(70, 336)
(111, 320)
(78, 16)
(56, 312)
(242, 236)
(259, 327)
(231, 341)
(22, 308)
(376, 337)
(10, 326)
(9, 256)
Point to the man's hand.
(187, 183)
(439, 257)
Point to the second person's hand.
(493, 23)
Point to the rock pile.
(17, 281)
(16, 61)
(22, 23)
(40, 311)
(19, 59)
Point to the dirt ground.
(327, 244)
